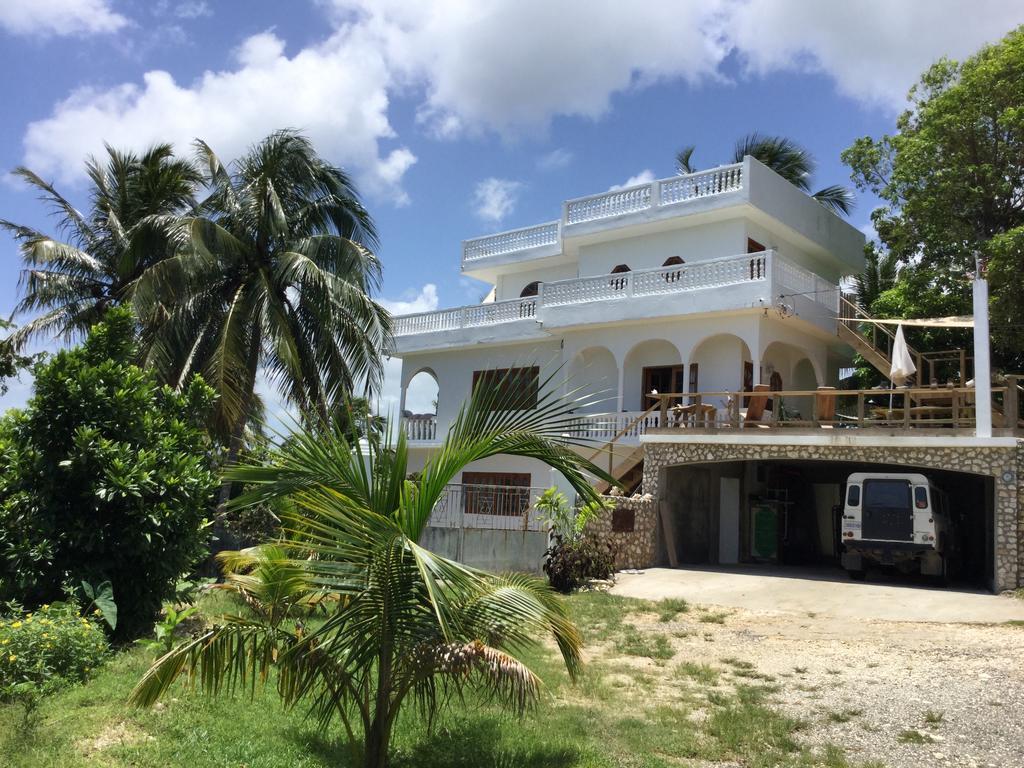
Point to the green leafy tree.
(92, 265)
(273, 275)
(105, 476)
(952, 182)
(402, 622)
(787, 158)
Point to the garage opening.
(788, 513)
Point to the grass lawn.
(638, 705)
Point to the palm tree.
(74, 280)
(879, 275)
(788, 159)
(401, 621)
(271, 275)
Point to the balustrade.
(420, 427)
(679, 278)
(511, 241)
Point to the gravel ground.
(905, 694)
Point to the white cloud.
(873, 49)
(513, 65)
(646, 176)
(336, 92)
(554, 160)
(425, 300)
(59, 17)
(494, 199)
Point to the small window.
(673, 275)
(530, 290)
(618, 283)
(510, 389)
(623, 520)
(853, 496)
(921, 497)
(887, 494)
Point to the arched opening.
(721, 363)
(651, 365)
(618, 283)
(421, 400)
(531, 289)
(790, 363)
(595, 374)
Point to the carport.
(784, 512)
(704, 486)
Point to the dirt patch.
(903, 694)
(119, 734)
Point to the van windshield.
(887, 494)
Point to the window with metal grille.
(505, 494)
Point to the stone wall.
(1004, 464)
(637, 548)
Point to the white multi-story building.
(712, 282)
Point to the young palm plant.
(105, 250)
(788, 159)
(402, 623)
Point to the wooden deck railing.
(907, 408)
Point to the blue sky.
(460, 118)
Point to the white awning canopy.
(957, 321)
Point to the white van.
(896, 518)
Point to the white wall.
(595, 372)
(692, 244)
(720, 361)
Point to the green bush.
(104, 476)
(48, 649)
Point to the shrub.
(48, 649)
(104, 476)
(572, 557)
(570, 564)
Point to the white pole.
(982, 363)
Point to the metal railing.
(487, 507)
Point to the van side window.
(921, 497)
(853, 496)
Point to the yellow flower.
(6, 641)
(28, 619)
(46, 606)
(45, 635)
(86, 669)
(12, 658)
(16, 624)
(95, 611)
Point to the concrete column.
(982, 363)
(622, 386)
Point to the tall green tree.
(402, 622)
(104, 476)
(91, 265)
(952, 182)
(787, 158)
(272, 275)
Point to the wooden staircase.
(627, 470)
(875, 348)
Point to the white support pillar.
(982, 362)
(622, 386)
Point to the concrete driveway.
(823, 592)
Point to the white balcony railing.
(681, 278)
(607, 205)
(606, 426)
(511, 241)
(420, 428)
